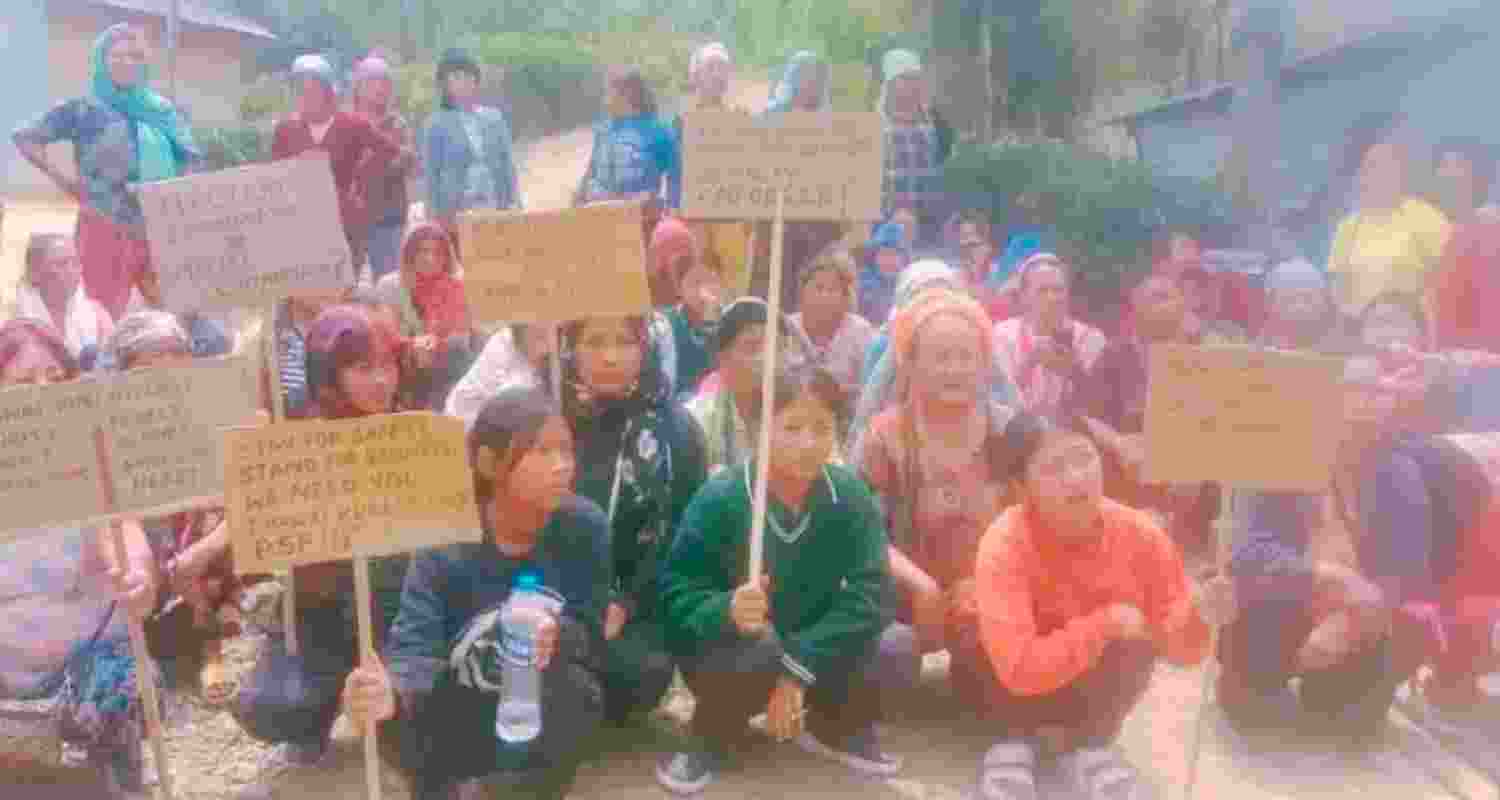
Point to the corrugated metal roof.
(192, 14)
(1349, 55)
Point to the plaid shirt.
(912, 172)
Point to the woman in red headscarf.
(428, 295)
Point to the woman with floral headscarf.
(641, 458)
(123, 133)
(469, 152)
(932, 457)
(353, 370)
(63, 635)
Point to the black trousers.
(733, 681)
(637, 669)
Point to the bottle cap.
(528, 580)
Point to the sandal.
(1101, 774)
(1008, 772)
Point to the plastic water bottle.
(518, 717)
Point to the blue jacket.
(632, 155)
(448, 153)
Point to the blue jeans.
(384, 243)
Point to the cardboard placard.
(1243, 416)
(553, 266)
(831, 163)
(247, 237)
(330, 490)
(162, 429)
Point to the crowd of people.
(957, 460)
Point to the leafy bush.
(1106, 211)
(225, 147)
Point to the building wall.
(211, 78)
(23, 45)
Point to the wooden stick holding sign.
(145, 678)
(278, 414)
(767, 392)
(363, 598)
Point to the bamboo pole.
(767, 389)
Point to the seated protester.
(978, 262)
(1419, 589)
(1301, 312)
(428, 293)
(210, 334)
(693, 320)
(1225, 300)
(353, 370)
(920, 275)
(52, 291)
(200, 589)
(727, 405)
(64, 640)
(806, 633)
(1204, 294)
(1111, 401)
(1468, 381)
(1045, 351)
(886, 256)
(671, 240)
(825, 318)
(1078, 597)
(931, 457)
(436, 688)
(640, 458)
(516, 355)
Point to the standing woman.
(383, 185)
(640, 457)
(469, 151)
(68, 601)
(634, 154)
(725, 244)
(916, 143)
(353, 370)
(934, 458)
(805, 86)
(123, 133)
(437, 688)
(53, 292)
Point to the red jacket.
(1467, 289)
(351, 142)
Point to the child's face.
(620, 99)
(610, 353)
(803, 435)
(543, 476)
(824, 296)
(702, 293)
(462, 86)
(370, 384)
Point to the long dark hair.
(632, 79)
(509, 424)
(651, 387)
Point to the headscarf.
(16, 333)
(163, 145)
(877, 290)
(453, 60)
(896, 64)
(786, 91)
(314, 66)
(705, 54)
(147, 332)
(433, 303)
(929, 304)
(340, 336)
(922, 275)
(670, 240)
(81, 316)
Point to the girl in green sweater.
(800, 643)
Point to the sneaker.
(1008, 772)
(1101, 774)
(687, 773)
(860, 752)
